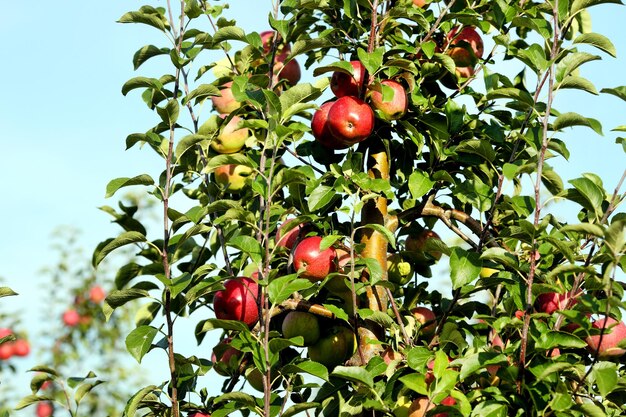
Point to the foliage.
(460, 160)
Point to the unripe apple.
(321, 131)
(237, 301)
(350, 120)
(426, 318)
(614, 332)
(232, 177)
(44, 409)
(486, 272)
(343, 84)
(398, 271)
(97, 294)
(465, 47)
(71, 318)
(416, 245)
(314, 263)
(301, 323)
(225, 103)
(334, 347)
(396, 105)
(231, 137)
(21, 347)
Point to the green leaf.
(237, 397)
(305, 45)
(570, 119)
(354, 374)
(388, 235)
(553, 339)
(169, 113)
(282, 288)
(248, 245)
(577, 83)
(118, 298)
(116, 184)
(464, 267)
(147, 52)
(591, 192)
(124, 239)
(298, 408)
(513, 94)
(617, 92)
(141, 82)
(591, 410)
(572, 61)
(149, 19)
(84, 389)
(133, 402)
(605, 375)
(308, 367)
(229, 33)
(551, 180)
(139, 341)
(31, 399)
(212, 324)
(6, 292)
(501, 256)
(320, 197)
(580, 5)
(187, 143)
(291, 100)
(371, 61)
(478, 147)
(201, 93)
(586, 228)
(419, 184)
(599, 41)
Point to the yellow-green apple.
(315, 264)
(237, 301)
(225, 358)
(321, 131)
(225, 103)
(44, 409)
(301, 323)
(232, 177)
(396, 104)
(614, 333)
(420, 406)
(71, 317)
(350, 120)
(416, 245)
(398, 271)
(426, 318)
(21, 347)
(334, 346)
(97, 294)
(344, 84)
(231, 137)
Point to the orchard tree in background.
(335, 199)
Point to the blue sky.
(64, 122)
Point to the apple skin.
(226, 355)
(237, 301)
(301, 323)
(21, 347)
(551, 301)
(232, 177)
(398, 271)
(394, 109)
(614, 332)
(71, 318)
(289, 71)
(316, 264)
(416, 243)
(289, 239)
(225, 103)
(461, 56)
(231, 137)
(427, 318)
(350, 120)
(198, 414)
(97, 294)
(342, 84)
(321, 131)
(6, 351)
(419, 3)
(334, 347)
(44, 409)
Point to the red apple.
(389, 355)
(551, 301)
(232, 177)
(334, 347)
(344, 84)
(21, 347)
(614, 332)
(289, 239)
(416, 243)
(225, 103)
(237, 301)
(267, 37)
(350, 120)
(426, 318)
(419, 3)
(6, 351)
(289, 72)
(314, 263)
(225, 357)
(301, 323)
(321, 131)
(465, 48)
(44, 409)
(71, 318)
(231, 137)
(396, 106)
(4, 332)
(97, 294)
(198, 414)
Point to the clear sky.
(64, 121)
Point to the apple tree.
(400, 198)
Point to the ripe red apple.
(267, 37)
(614, 332)
(314, 263)
(426, 318)
(396, 106)
(225, 103)
(71, 317)
(6, 351)
(334, 347)
(419, 3)
(232, 177)
(343, 84)
(465, 47)
(225, 358)
(289, 239)
(350, 120)
(44, 409)
(301, 323)
(321, 131)
(231, 137)
(4, 332)
(416, 243)
(198, 414)
(237, 301)
(289, 71)
(21, 347)
(551, 301)
(97, 294)
(389, 355)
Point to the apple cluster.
(73, 317)
(17, 347)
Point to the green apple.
(334, 347)
(398, 271)
(301, 323)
